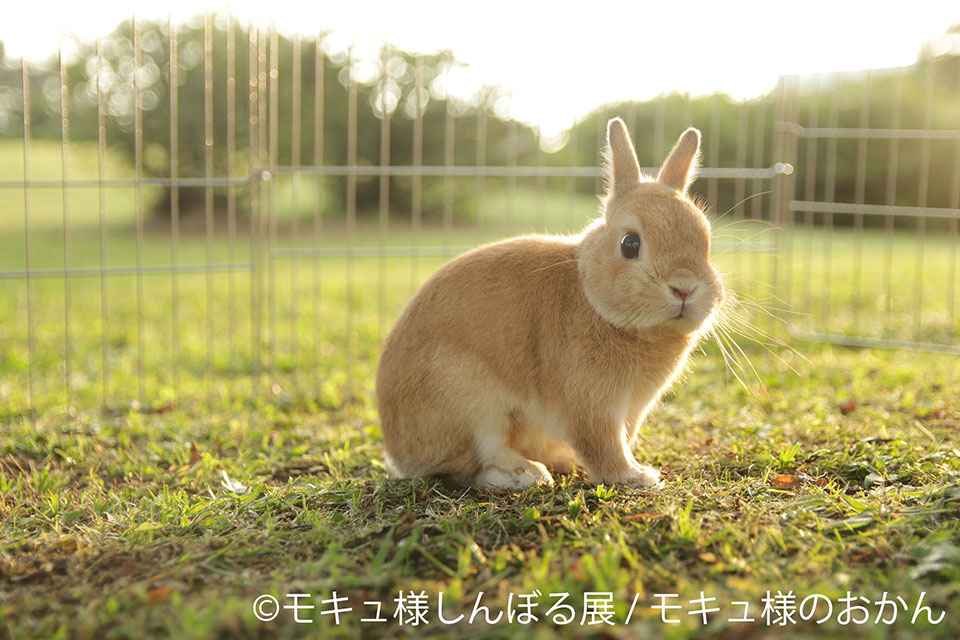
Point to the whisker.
(750, 197)
(746, 330)
(745, 356)
(727, 359)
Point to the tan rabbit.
(544, 352)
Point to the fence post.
(784, 160)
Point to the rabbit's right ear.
(623, 170)
(680, 167)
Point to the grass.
(840, 477)
(199, 487)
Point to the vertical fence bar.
(893, 164)
(600, 147)
(922, 191)
(952, 278)
(829, 195)
(449, 159)
(713, 154)
(740, 184)
(231, 194)
(415, 205)
(778, 197)
(253, 158)
(790, 190)
(318, 93)
(569, 180)
(263, 213)
(208, 148)
(759, 125)
(295, 117)
(64, 154)
(351, 215)
(511, 177)
(810, 189)
(102, 201)
(541, 225)
(174, 207)
(756, 211)
(659, 130)
(31, 335)
(788, 146)
(384, 204)
(272, 214)
(138, 200)
(481, 158)
(739, 191)
(859, 195)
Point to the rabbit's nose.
(682, 293)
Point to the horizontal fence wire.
(873, 209)
(450, 251)
(125, 271)
(264, 173)
(864, 132)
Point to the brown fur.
(548, 350)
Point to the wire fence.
(897, 253)
(285, 292)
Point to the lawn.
(163, 493)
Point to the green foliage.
(735, 133)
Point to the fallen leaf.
(847, 407)
(646, 515)
(787, 480)
(159, 595)
(194, 453)
(708, 557)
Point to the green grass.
(199, 487)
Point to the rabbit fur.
(539, 353)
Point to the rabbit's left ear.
(623, 170)
(679, 170)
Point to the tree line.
(313, 100)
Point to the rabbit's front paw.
(639, 477)
(643, 477)
(518, 475)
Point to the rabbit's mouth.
(688, 319)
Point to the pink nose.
(681, 293)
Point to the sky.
(560, 60)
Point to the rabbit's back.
(492, 302)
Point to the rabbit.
(540, 352)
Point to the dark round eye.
(630, 245)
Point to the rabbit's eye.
(630, 245)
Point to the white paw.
(638, 477)
(519, 476)
(642, 477)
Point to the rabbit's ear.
(680, 168)
(623, 170)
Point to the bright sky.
(560, 60)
